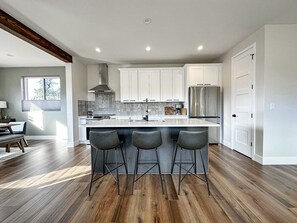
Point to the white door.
(242, 101)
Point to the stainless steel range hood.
(103, 80)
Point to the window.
(42, 88)
(41, 93)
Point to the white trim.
(227, 143)
(258, 158)
(253, 105)
(72, 144)
(41, 137)
(280, 160)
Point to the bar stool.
(190, 140)
(146, 141)
(105, 141)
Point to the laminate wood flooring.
(51, 185)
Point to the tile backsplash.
(105, 103)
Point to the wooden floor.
(50, 184)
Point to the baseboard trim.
(41, 137)
(227, 143)
(72, 144)
(280, 160)
(258, 158)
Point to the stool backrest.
(104, 140)
(146, 140)
(192, 140)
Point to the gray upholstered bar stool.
(150, 140)
(190, 140)
(105, 141)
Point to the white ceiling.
(15, 52)
(177, 28)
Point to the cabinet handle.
(132, 100)
(199, 84)
(125, 100)
(207, 84)
(168, 99)
(152, 100)
(175, 99)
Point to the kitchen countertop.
(124, 123)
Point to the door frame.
(253, 76)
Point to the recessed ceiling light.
(148, 48)
(200, 47)
(147, 20)
(98, 50)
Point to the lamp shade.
(3, 104)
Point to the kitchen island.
(169, 129)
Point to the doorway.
(242, 101)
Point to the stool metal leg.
(103, 162)
(174, 157)
(195, 160)
(93, 171)
(135, 169)
(117, 169)
(206, 179)
(180, 167)
(160, 174)
(124, 160)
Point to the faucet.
(147, 110)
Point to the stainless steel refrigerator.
(205, 103)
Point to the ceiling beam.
(18, 29)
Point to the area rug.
(14, 152)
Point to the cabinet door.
(211, 75)
(125, 89)
(133, 85)
(155, 85)
(143, 83)
(178, 85)
(195, 76)
(166, 85)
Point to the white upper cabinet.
(195, 75)
(178, 85)
(203, 74)
(211, 75)
(149, 85)
(172, 85)
(129, 85)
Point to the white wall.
(258, 38)
(275, 93)
(280, 135)
(76, 89)
(40, 124)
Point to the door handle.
(234, 115)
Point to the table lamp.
(3, 104)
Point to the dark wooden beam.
(18, 29)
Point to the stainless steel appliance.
(205, 103)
